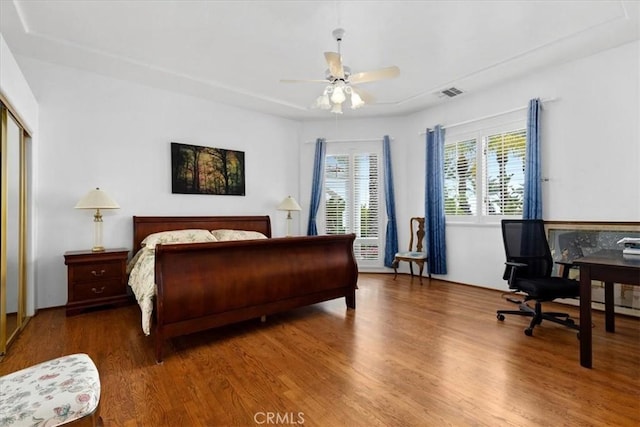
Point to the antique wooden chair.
(416, 253)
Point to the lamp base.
(289, 224)
(97, 232)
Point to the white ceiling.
(236, 52)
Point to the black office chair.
(528, 271)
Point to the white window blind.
(484, 174)
(504, 173)
(352, 200)
(337, 193)
(460, 172)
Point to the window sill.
(473, 224)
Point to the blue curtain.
(391, 243)
(316, 189)
(532, 208)
(434, 202)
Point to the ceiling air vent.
(451, 92)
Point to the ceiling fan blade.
(325, 81)
(380, 74)
(364, 95)
(334, 60)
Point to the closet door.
(13, 231)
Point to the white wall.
(591, 151)
(15, 89)
(101, 132)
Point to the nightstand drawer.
(98, 289)
(98, 271)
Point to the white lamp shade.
(289, 204)
(97, 199)
(356, 100)
(323, 102)
(336, 109)
(338, 96)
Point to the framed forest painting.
(206, 170)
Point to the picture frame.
(569, 240)
(206, 170)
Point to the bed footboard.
(205, 285)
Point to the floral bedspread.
(51, 393)
(142, 282)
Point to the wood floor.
(409, 355)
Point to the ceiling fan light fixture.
(338, 96)
(323, 101)
(339, 79)
(356, 101)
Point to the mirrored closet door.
(14, 227)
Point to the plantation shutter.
(504, 173)
(352, 200)
(338, 193)
(460, 169)
(366, 205)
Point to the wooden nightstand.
(96, 279)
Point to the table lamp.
(289, 204)
(97, 199)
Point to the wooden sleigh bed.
(206, 285)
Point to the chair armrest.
(566, 266)
(515, 264)
(512, 267)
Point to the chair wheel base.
(500, 317)
(528, 332)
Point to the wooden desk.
(610, 267)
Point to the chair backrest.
(416, 225)
(525, 241)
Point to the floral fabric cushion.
(51, 393)
(177, 236)
(226, 235)
(413, 255)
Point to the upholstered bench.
(62, 391)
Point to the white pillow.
(226, 235)
(177, 236)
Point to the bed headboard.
(145, 225)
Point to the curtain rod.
(352, 140)
(490, 116)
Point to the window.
(352, 201)
(484, 174)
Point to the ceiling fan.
(341, 83)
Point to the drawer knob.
(95, 291)
(98, 273)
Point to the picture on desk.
(571, 240)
